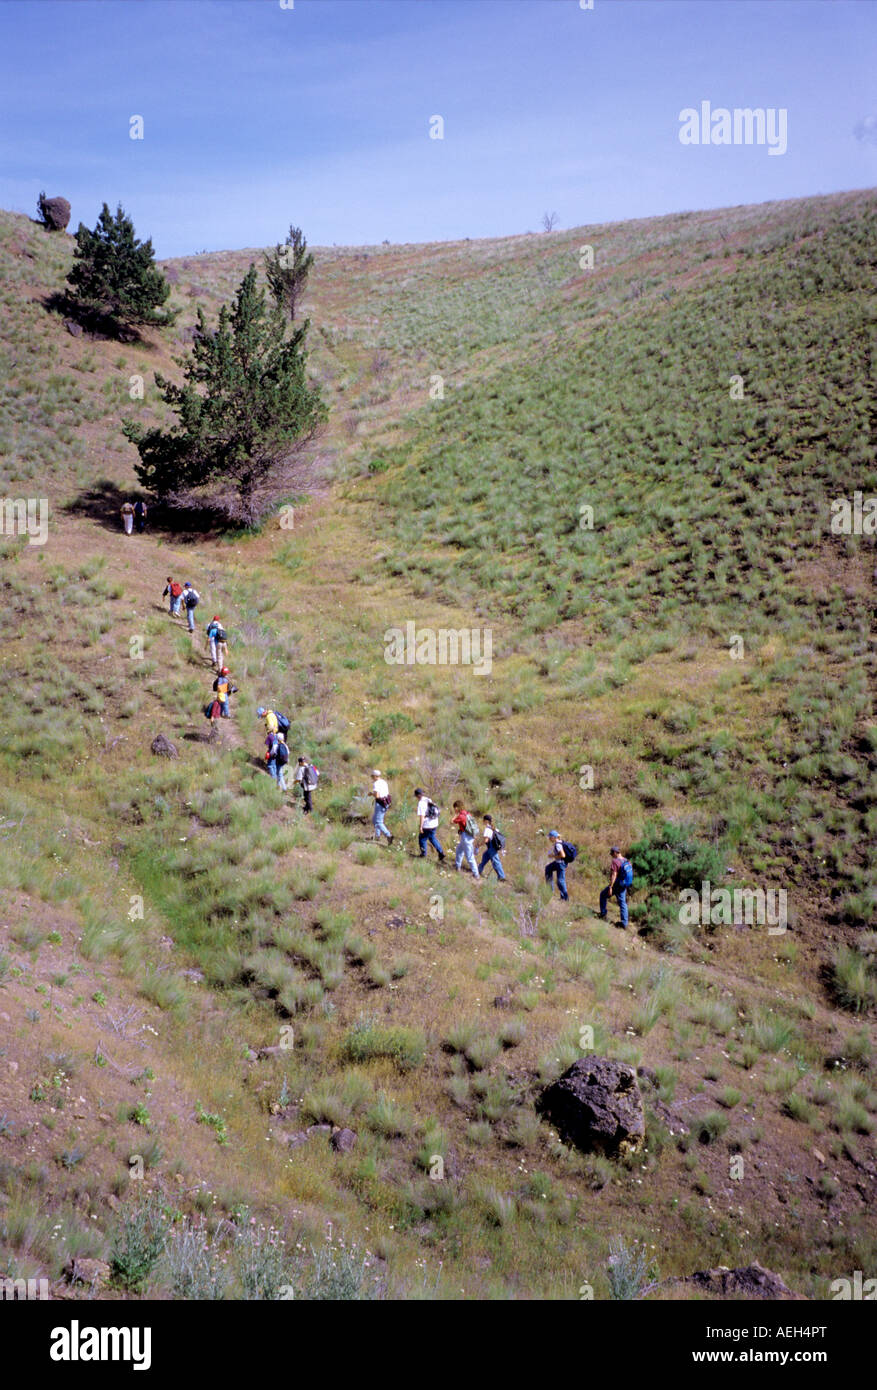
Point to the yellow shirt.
(271, 725)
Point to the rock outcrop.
(597, 1107)
(55, 213)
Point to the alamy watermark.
(743, 125)
(854, 518)
(429, 646)
(25, 516)
(24, 1289)
(738, 907)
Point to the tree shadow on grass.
(101, 327)
(101, 501)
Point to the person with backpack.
(221, 639)
(127, 517)
(276, 758)
(173, 592)
(428, 815)
(620, 879)
(275, 722)
(191, 599)
(224, 689)
(466, 844)
(308, 776)
(494, 846)
(563, 853)
(140, 512)
(213, 628)
(383, 801)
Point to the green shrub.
(367, 1039)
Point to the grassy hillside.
(704, 648)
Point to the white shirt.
(380, 787)
(422, 805)
(488, 834)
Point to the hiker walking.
(428, 815)
(214, 627)
(140, 511)
(466, 844)
(620, 879)
(275, 722)
(494, 846)
(271, 725)
(173, 592)
(562, 853)
(224, 689)
(127, 517)
(383, 801)
(276, 758)
(191, 599)
(307, 775)
(221, 646)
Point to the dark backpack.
(282, 754)
(499, 839)
(432, 811)
(282, 722)
(219, 635)
(569, 851)
(625, 876)
(193, 598)
(385, 801)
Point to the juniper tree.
(114, 282)
(287, 269)
(246, 414)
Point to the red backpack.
(176, 589)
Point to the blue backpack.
(625, 876)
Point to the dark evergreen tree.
(246, 414)
(287, 269)
(114, 283)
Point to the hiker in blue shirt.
(214, 627)
(620, 879)
(556, 865)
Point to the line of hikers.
(277, 757)
(493, 843)
(307, 777)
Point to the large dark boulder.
(55, 213)
(597, 1106)
(163, 748)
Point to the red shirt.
(460, 819)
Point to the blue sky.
(257, 115)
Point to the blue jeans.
(429, 837)
(619, 893)
(278, 772)
(558, 868)
(224, 710)
(190, 618)
(466, 850)
(491, 856)
(378, 822)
